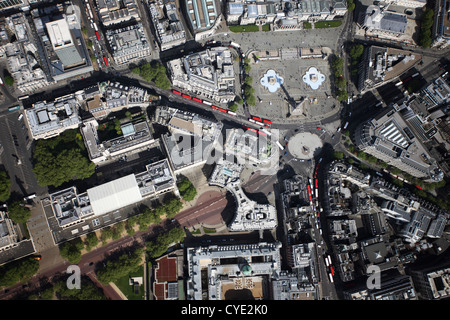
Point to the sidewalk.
(117, 290)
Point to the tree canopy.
(17, 271)
(187, 189)
(61, 159)
(153, 72)
(19, 213)
(159, 246)
(87, 291)
(426, 24)
(5, 184)
(71, 251)
(116, 269)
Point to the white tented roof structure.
(114, 195)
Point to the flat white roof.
(114, 195)
(59, 34)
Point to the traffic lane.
(208, 209)
(16, 157)
(260, 183)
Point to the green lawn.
(307, 25)
(266, 27)
(124, 285)
(328, 24)
(249, 28)
(208, 230)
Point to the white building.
(230, 268)
(128, 44)
(209, 74)
(47, 120)
(71, 209)
(198, 135)
(250, 215)
(114, 11)
(283, 15)
(135, 137)
(21, 56)
(168, 26)
(63, 43)
(8, 234)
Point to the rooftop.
(228, 267)
(249, 214)
(46, 120)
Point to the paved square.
(276, 105)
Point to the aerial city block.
(224, 150)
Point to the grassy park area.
(327, 24)
(249, 28)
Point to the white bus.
(331, 278)
(31, 196)
(234, 44)
(266, 132)
(279, 145)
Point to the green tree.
(233, 107)
(71, 251)
(87, 291)
(338, 155)
(61, 159)
(9, 80)
(159, 246)
(107, 233)
(91, 241)
(5, 184)
(18, 271)
(350, 5)
(187, 190)
(116, 269)
(153, 72)
(342, 95)
(174, 205)
(18, 212)
(338, 66)
(356, 51)
(426, 25)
